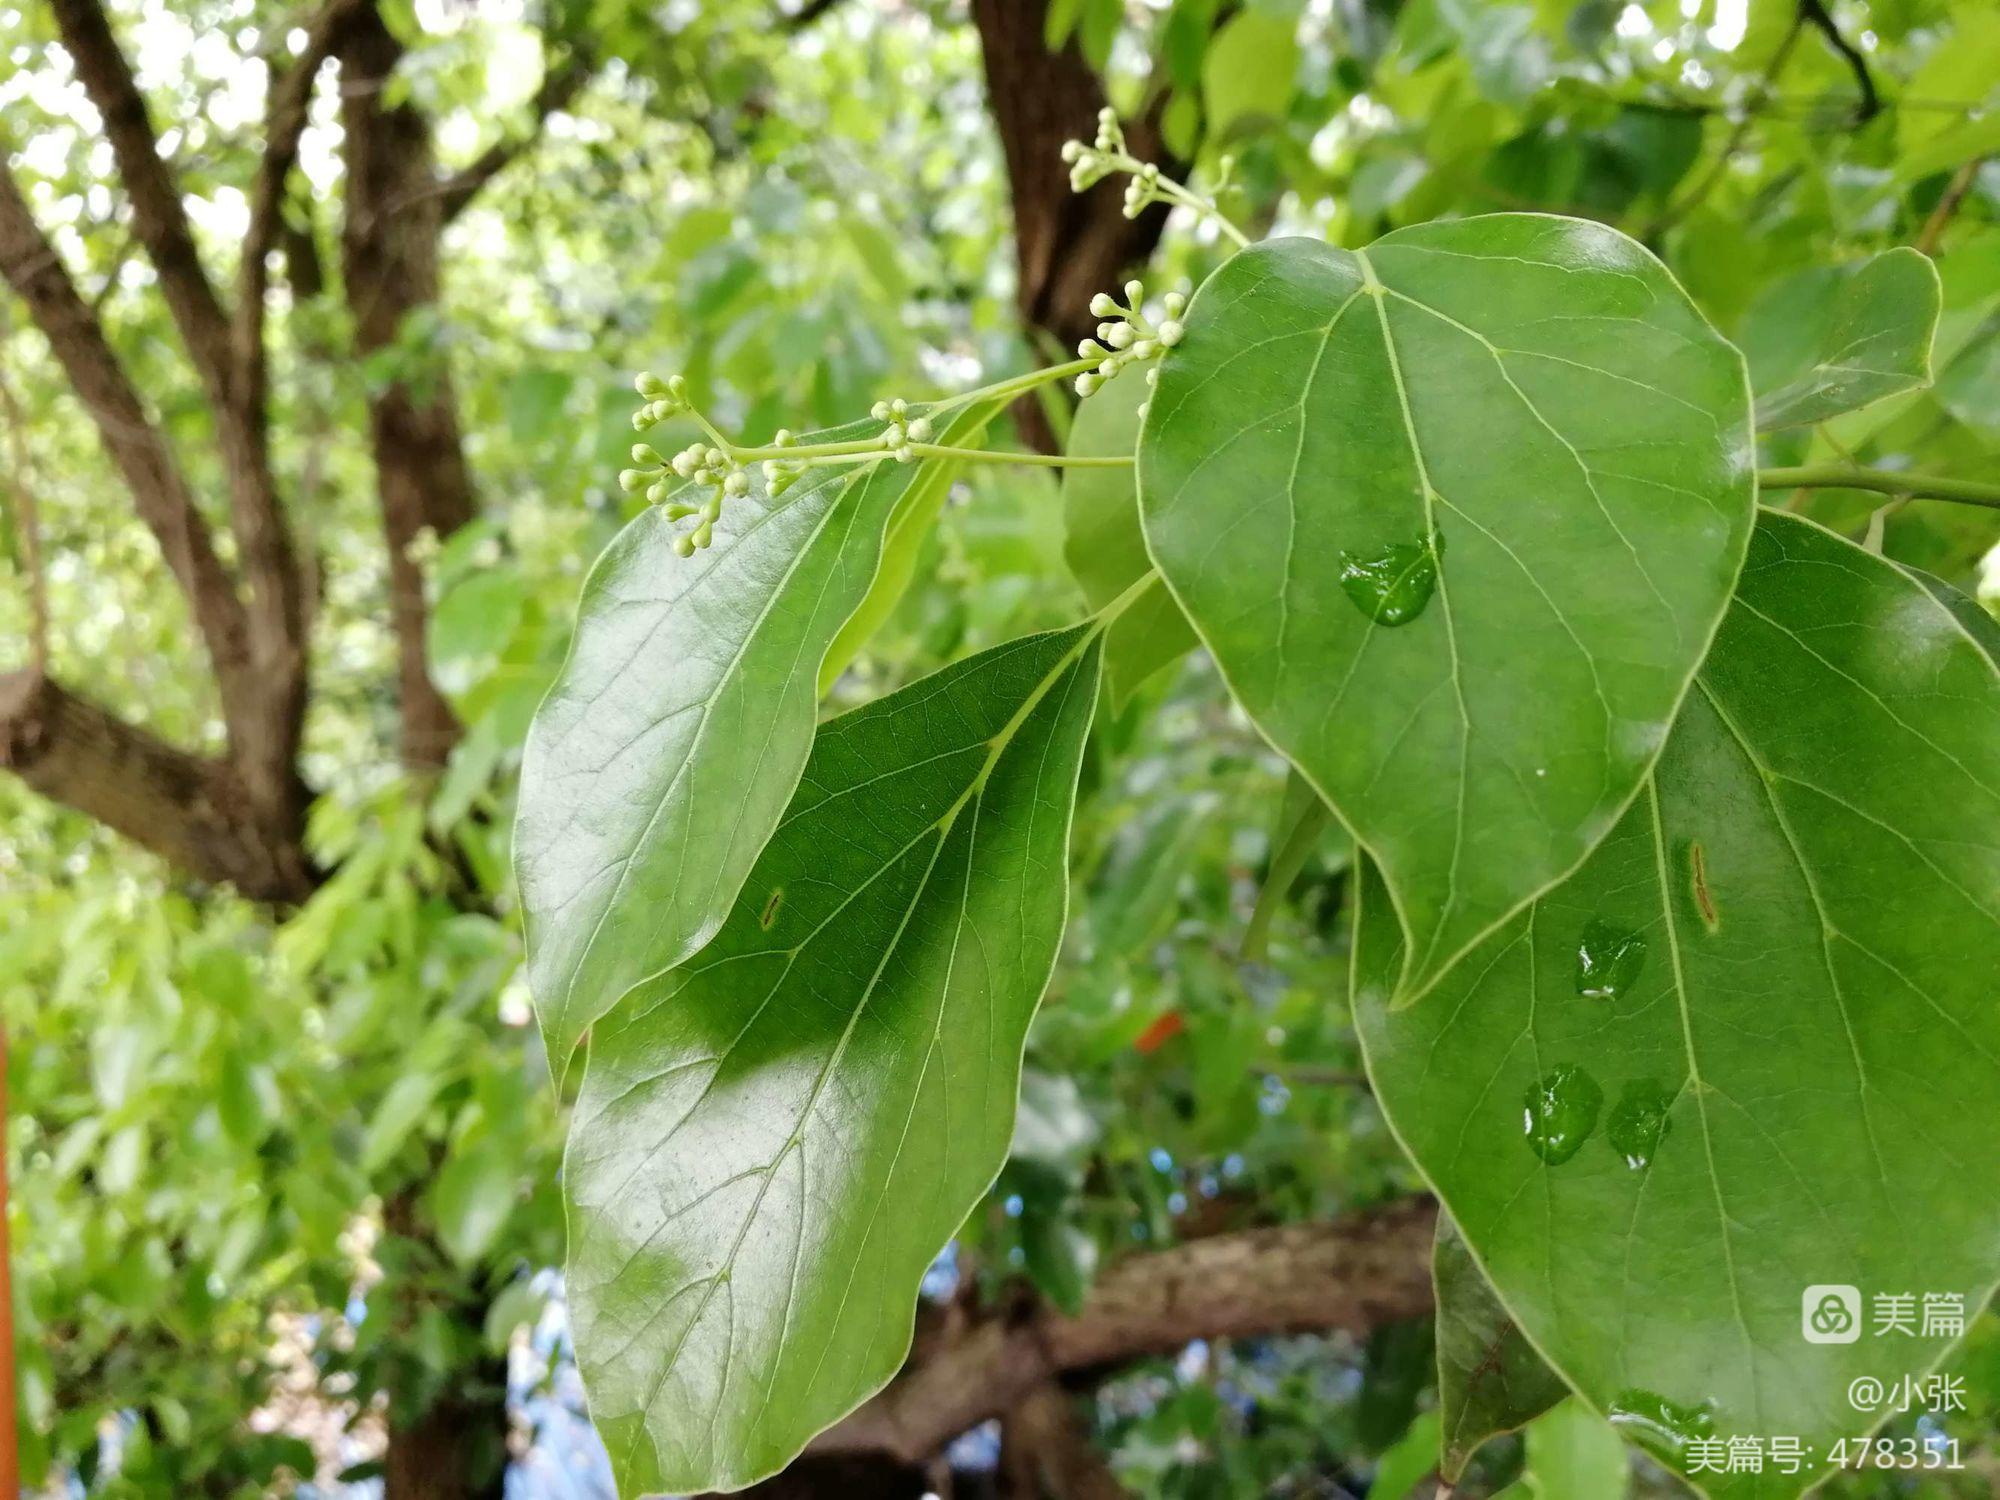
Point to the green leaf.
(909, 523)
(472, 1196)
(1102, 542)
(1837, 339)
(1407, 1465)
(667, 748)
(1490, 1379)
(776, 1139)
(1573, 1454)
(1787, 1077)
(1535, 412)
(1248, 70)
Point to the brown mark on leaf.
(770, 912)
(1703, 900)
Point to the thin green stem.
(1014, 385)
(1178, 193)
(1882, 482)
(1010, 456)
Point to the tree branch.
(1903, 482)
(265, 737)
(285, 115)
(1815, 14)
(31, 266)
(27, 522)
(158, 216)
(1353, 1274)
(558, 89)
(194, 813)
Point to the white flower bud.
(630, 480)
(1135, 292)
(1086, 384)
(645, 456)
(1121, 336)
(1145, 349)
(879, 411)
(1171, 332)
(738, 483)
(1101, 306)
(920, 430)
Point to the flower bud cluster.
(1091, 164)
(903, 429)
(1127, 336)
(664, 399)
(699, 464)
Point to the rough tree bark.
(1068, 246)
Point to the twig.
(1947, 205)
(1882, 482)
(28, 526)
(1815, 13)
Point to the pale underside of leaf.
(776, 1139)
(1814, 869)
(667, 747)
(1539, 393)
(1875, 342)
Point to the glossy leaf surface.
(1102, 543)
(1490, 1379)
(775, 1139)
(1814, 873)
(667, 748)
(1837, 339)
(1531, 415)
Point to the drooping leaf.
(1573, 1454)
(1839, 338)
(915, 512)
(1531, 410)
(1490, 1379)
(1778, 1093)
(1103, 545)
(667, 748)
(776, 1138)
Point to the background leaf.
(776, 1139)
(1102, 542)
(1772, 1083)
(1456, 518)
(1839, 338)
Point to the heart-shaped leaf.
(1457, 517)
(776, 1139)
(1838, 338)
(1775, 1096)
(669, 744)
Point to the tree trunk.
(455, 1451)
(1068, 246)
(395, 217)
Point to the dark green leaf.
(775, 1139)
(1814, 872)
(1838, 339)
(667, 748)
(1539, 397)
(1490, 1379)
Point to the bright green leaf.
(1776, 1096)
(666, 750)
(775, 1139)
(1247, 72)
(1103, 545)
(1534, 413)
(1403, 1469)
(1573, 1454)
(1837, 339)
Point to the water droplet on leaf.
(1638, 1123)
(1608, 961)
(1392, 584)
(1562, 1108)
(1664, 1427)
